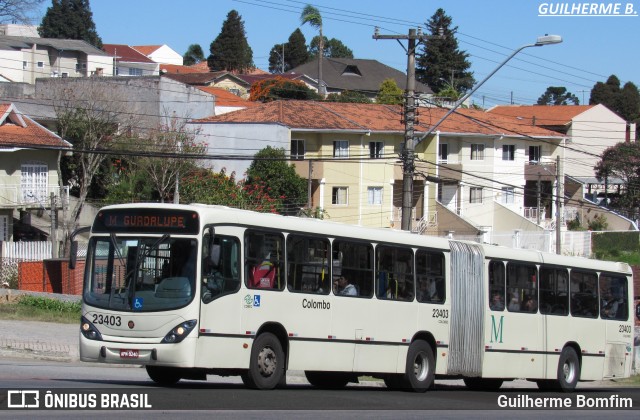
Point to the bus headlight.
(88, 330)
(179, 332)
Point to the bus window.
(394, 273)
(496, 285)
(220, 266)
(613, 297)
(354, 261)
(584, 294)
(308, 264)
(522, 293)
(430, 276)
(264, 260)
(554, 291)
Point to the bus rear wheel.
(163, 375)
(568, 373)
(327, 380)
(421, 367)
(267, 364)
(483, 384)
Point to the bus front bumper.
(176, 355)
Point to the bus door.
(220, 313)
(554, 309)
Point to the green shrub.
(52, 305)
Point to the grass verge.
(33, 308)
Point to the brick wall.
(52, 276)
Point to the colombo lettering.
(312, 304)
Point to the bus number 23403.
(440, 313)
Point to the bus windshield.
(128, 273)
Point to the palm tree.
(312, 16)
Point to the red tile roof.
(125, 53)
(546, 115)
(226, 98)
(18, 130)
(375, 117)
(202, 67)
(176, 69)
(146, 49)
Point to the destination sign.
(147, 221)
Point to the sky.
(593, 48)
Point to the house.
(469, 174)
(364, 76)
(226, 101)
(129, 62)
(589, 130)
(161, 54)
(28, 172)
(24, 59)
(220, 79)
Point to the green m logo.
(496, 332)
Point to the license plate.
(129, 354)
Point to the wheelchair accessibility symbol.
(137, 303)
(256, 300)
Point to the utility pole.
(54, 227)
(559, 202)
(408, 152)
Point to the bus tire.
(267, 364)
(165, 376)
(421, 367)
(568, 370)
(327, 380)
(483, 384)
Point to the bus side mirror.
(73, 254)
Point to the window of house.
(34, 182)
(508, 152)
(339, 196)
(375, 149)
(64, 74)
(507, 195)
(4, 228)
(297, 149)
(235, 91)
(77, 67)
(374, 195)
(477, 152)
(25, 65)
(534, 154)
(443, 152)
(475, 195)
(40, 64)
(340, 149)
(135, 72)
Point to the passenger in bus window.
(612, 307)
(343, 287)
(497, 302)
(529, 305)
(514, 303)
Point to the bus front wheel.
(163, 375)
(266, 367)
(421, 366)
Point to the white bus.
(192, 290)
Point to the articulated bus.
(193, 290)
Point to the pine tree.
(441, 61)
(194, 55)
(625, 102)
(294, 51)
(558, 95)
(70, 19)
(230, 51)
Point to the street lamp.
(410, 157)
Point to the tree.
(70, 19)
(350, 96)
(194, 55)
(558, 95)
(280, 88)
(17, 10)
(623, 161)
(270, 172)
(389, 93)
(440, 61)
(625, 102)
(92, 117)
(295, 53)
(333, 48)
(312, 16)
(230, 51)
(165, 153)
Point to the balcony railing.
(12, 196)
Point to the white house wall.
(12, 65)
(591, 133)
(239, 142)
(166, 55)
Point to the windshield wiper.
(140, 258)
